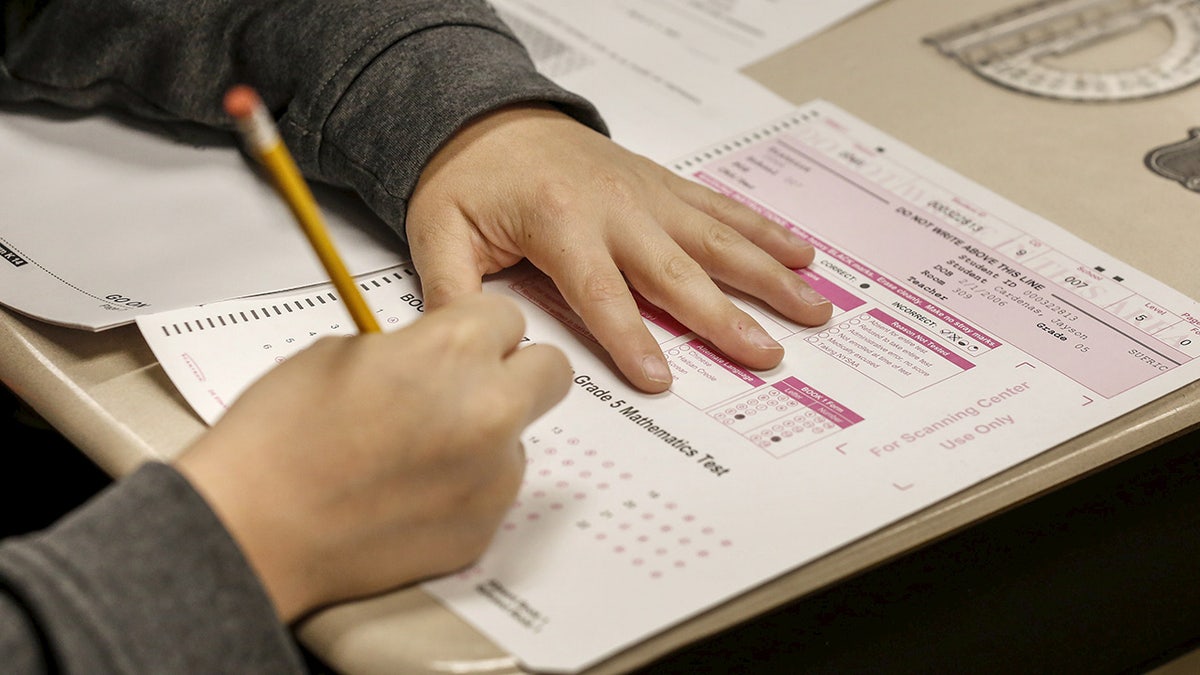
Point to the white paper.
(728, 33)
(103, 221)
(656, 96)
(640, 511)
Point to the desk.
(1079, 165)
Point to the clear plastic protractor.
(1026, 48)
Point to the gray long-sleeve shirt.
(144, 578)
(141, 579)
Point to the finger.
(594, 287)
(543, 372)
(479, 322)
(445, 260)
(778, 241)
(738, 262)
(672, 280)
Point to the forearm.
(141, 579)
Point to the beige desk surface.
(1079, 165)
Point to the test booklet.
(968, 335)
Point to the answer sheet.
(969, 335)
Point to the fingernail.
(798, 240)
(656, 370)
(759, 338)
(811, 296)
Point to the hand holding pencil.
(263, 141)
(413, 490)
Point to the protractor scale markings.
(1042, 48)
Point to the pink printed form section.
(972, 338)
(889, 351)
(704, 376)
(785, 416)
(840, 297)
(924, 258)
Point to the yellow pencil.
(263, 140)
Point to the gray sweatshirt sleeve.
(141, 579)
(365, 91)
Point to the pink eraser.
(241, 101)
